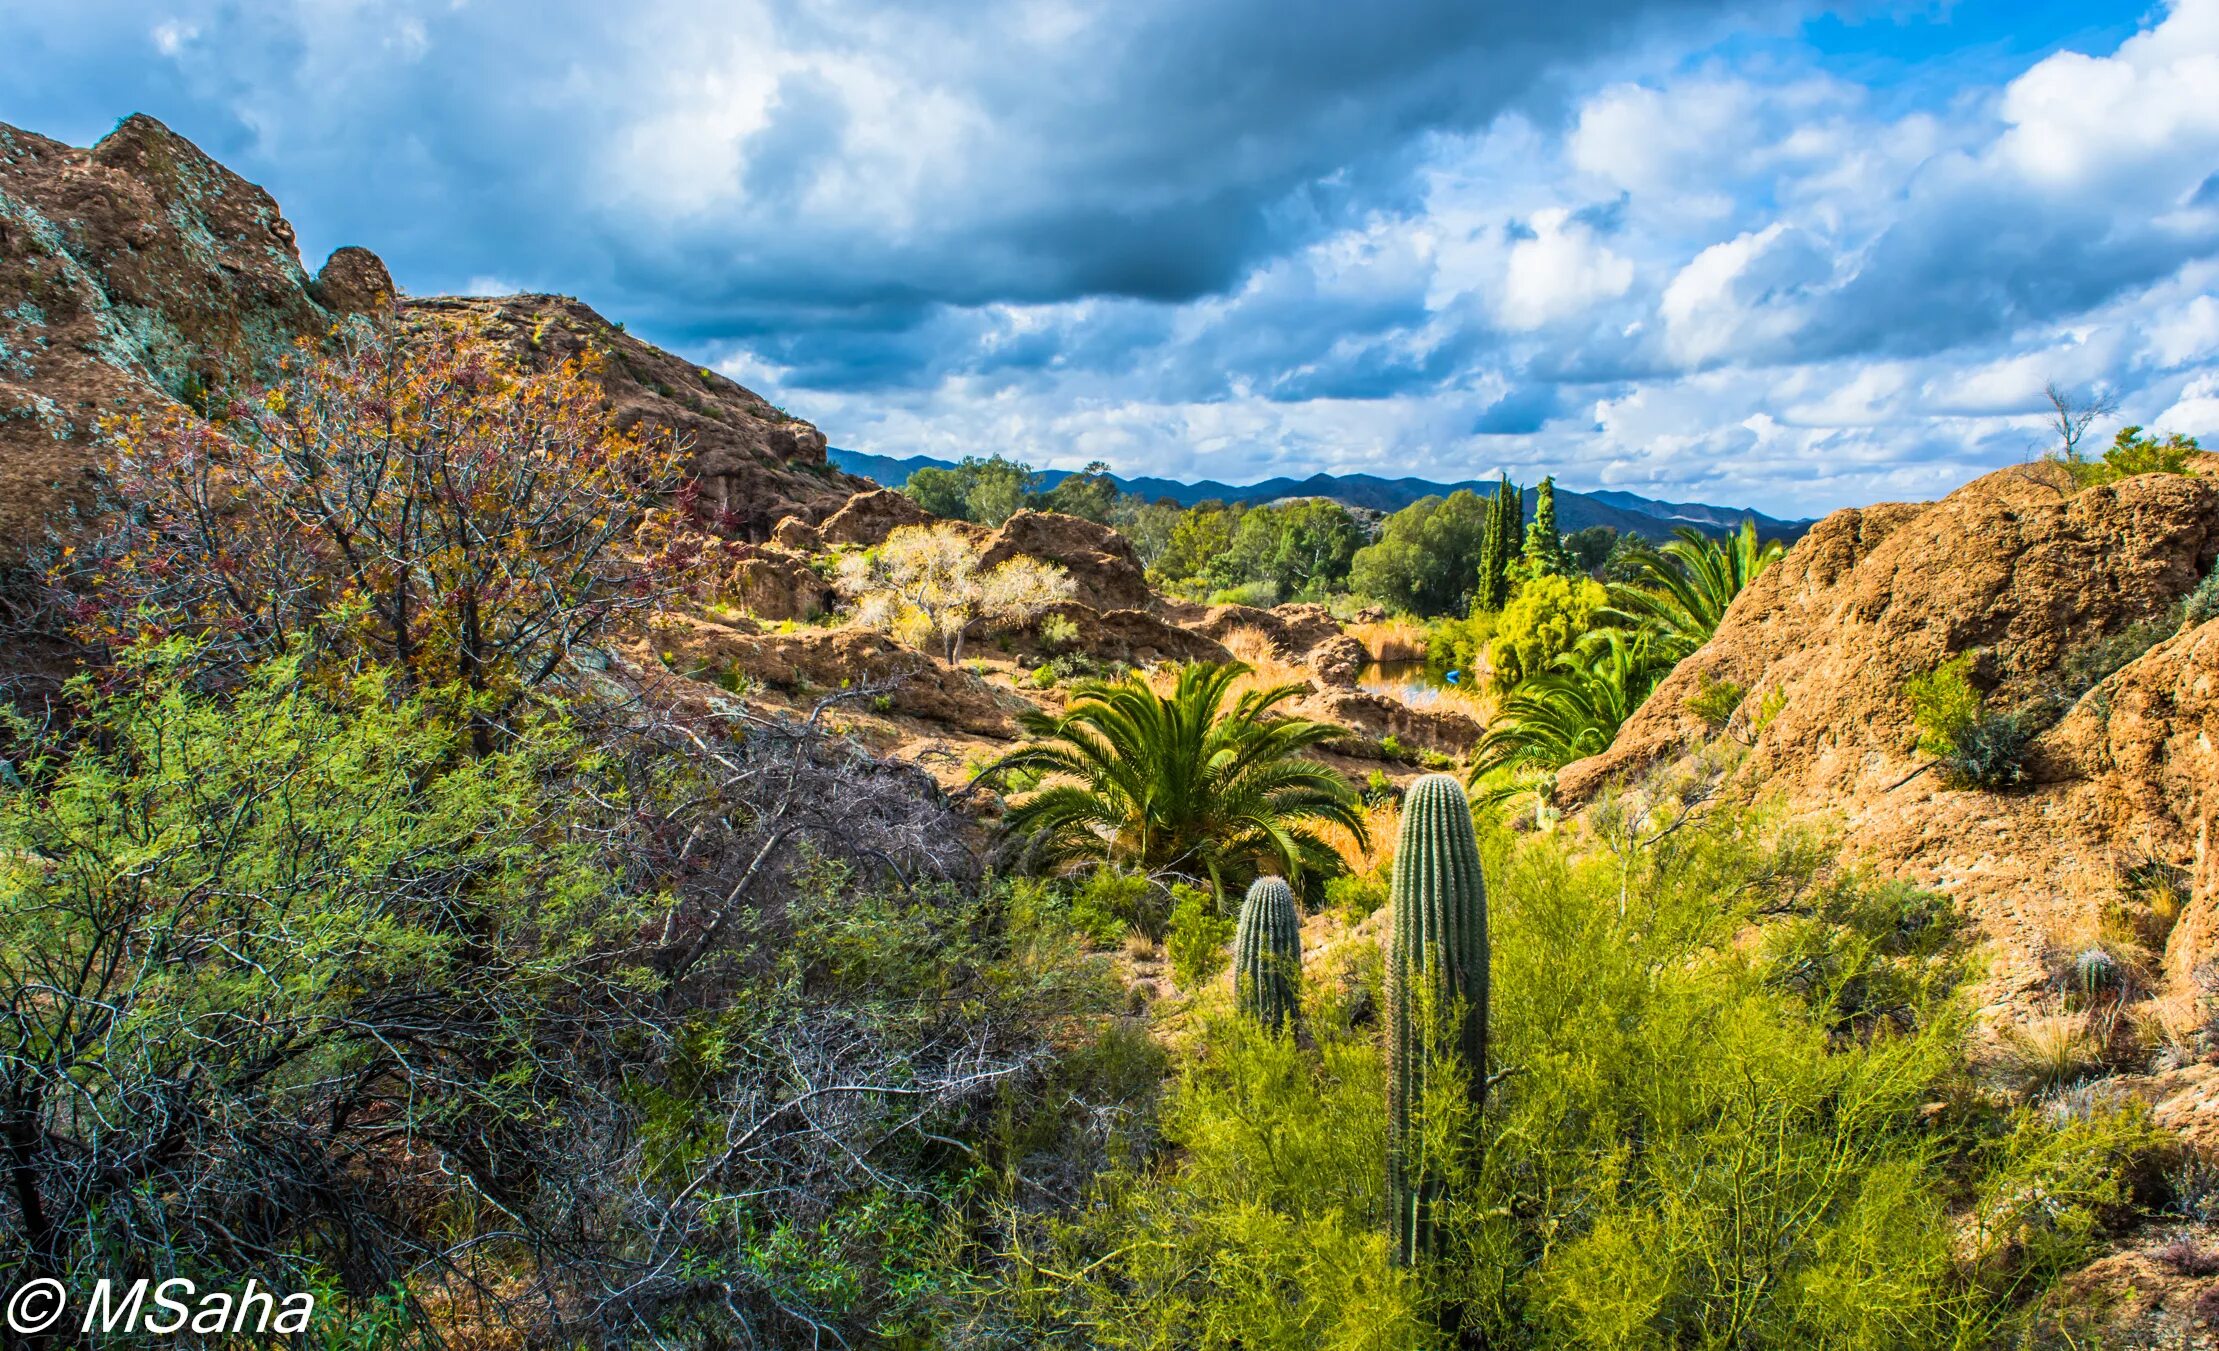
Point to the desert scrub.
(1196, 937)
(1715, 701)
(1974, 747)
(1692, 1139)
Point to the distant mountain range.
(1627, 512)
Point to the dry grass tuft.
(2049, 1053)
(1390, 639)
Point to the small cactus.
(1436, 962)
(1267, 954)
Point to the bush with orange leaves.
(401, 496)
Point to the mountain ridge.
(1627, 512)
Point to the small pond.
(1413, 682)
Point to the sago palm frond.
(1684, 587)
(1180, 783)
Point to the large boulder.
(773, 583)
(867, 518)
(1338, 660)
(1434, 729)
(814, 663)
(1135, 637)
(1107, 571)
(354, 281)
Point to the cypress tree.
(1498, 546)
(1544, 551)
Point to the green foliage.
(1267, 954)
(1437, 993)
(1695, 1139)
(1545, 619)
(1058, 630)
(1183, 785)
(1459, 644)
(1090, 494)
(1570, 711)
(1196, 937)
(1590, 548)
(1499, 545)
(1680, 592)
(216, 914)
(1426, 557)
(2201, 605)
(1544, 554)
(1123, 901)
(988, 491)
(1259, 594)
(1356, 896)
(2132, 452)
(1202, 535)
(1975, 747)
(1715, 701)
(1265, 1235)
(1301, 549)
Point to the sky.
(1790, 256)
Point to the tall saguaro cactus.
(1436, 969)
(1267, 954)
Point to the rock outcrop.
(141, 274)
(1135, 637)
(135, 274)
(865, 519)
(1293, 630)
(818, 662)
(1107, 571)
(2021, 570)
(755, 464)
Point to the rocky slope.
(141, 272)
(2109, 844)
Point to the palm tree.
(1682, 590)
(1573, 709)
(1183, 785)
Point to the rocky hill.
(141, 272)
(2107, 846)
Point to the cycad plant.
(1682, 590)
(1184, 784)
(1574, 708)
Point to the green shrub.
(1261, 595)
(2131, 453)
(1695, 1140)
(1125, 901)
(1543, 621)
(1354, 896)
(2201, 605)
(1196, 937)
(1975, 748)
(1716, 700)
(1057, 630)
(1459, 644)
